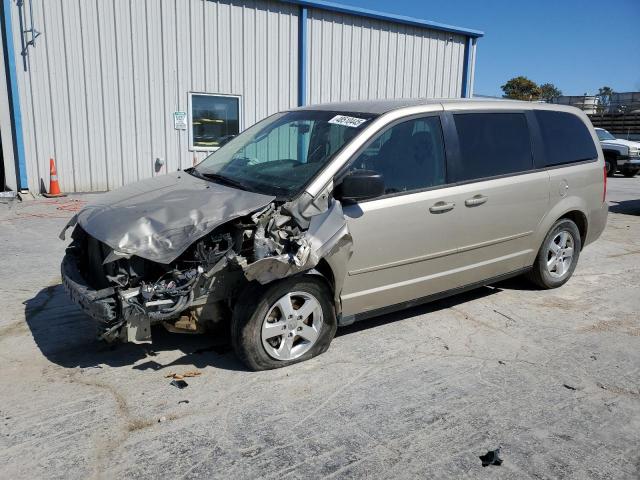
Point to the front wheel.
(558, 255)
(611, 165)
(282, 323)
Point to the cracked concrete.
(419, 393)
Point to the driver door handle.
(475, 200)
(441, 207)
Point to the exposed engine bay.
(127, 293)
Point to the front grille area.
(91, 253)
(95, 254)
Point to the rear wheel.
(558, 255)
(282, 323)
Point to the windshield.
(604, 135)
(281, 154)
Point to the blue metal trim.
(466, 68)
(15, 112)
(302, 56)
(390, 17)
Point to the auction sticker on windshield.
(347, 121)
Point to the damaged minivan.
(324, 215)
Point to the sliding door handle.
(441, 207)
(475, 200)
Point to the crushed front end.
(126, 294)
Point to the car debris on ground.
(180, 376)
(492, 457)
(179, 384)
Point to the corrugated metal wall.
(106, 76)
(355, 58)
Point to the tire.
(547, 273)
(629, 173)
(259, 306)
(612, 166)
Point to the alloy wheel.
(560, 254)
(292, 326)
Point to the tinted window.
(604, 135)
(409, 155)
(492, 144)
(566, 138)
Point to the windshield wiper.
(216, 177)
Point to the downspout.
(12, 83)
(472, 66)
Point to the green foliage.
(605, 91)
(549, 91)
(521, 88)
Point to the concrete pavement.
(551, 376)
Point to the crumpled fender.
(327, 237)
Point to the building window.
(214, 119)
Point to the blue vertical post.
(14, 107)
(302, 56)
(466, 69)
(302, 78)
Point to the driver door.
(402, 241)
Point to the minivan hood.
(159, 218)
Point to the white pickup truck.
(619, 155)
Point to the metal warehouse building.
(121, 90)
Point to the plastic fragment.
(492, 457)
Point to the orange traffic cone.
(54, 187)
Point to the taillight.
(604, 190)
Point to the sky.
(578, 45)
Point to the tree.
(605, 91)
(549, 91)
(521, 88)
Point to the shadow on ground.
(418, 310)
(66, 336)
(626, 207)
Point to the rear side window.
(566, 138)
(492, 144)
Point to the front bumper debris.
(98, 304)
(104, 306)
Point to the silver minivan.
(324, 215)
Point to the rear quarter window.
(492, 144)
(565, 137)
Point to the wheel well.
(610, 154)
(580, 219)
(325, 270)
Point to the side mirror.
(360, 185)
